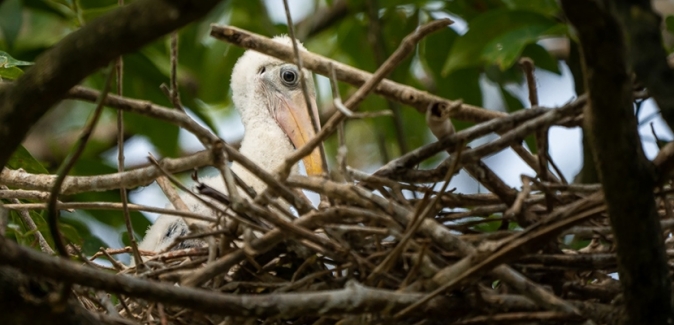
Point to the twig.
(556, 222)
(406, 47)
(129, 179)
(109, 206)
(509, 122)
(303, 82)
(119, 68)
(52, 212)
(31, 226)
(376, 39)
(541, 135)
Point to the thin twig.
(52, 213)
(30, 225)
(119, 68)
(305, 90)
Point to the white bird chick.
(268, 95)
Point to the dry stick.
(172, 92)
(504, 123)
(440, 125)
(541, 135)
(201, 199)
(175, 94)
(418, 99)
(79, 184)
(408, 44)
(4, 220)
(264, 243)
(516, 207)
(6, 193)
(392, 170)
(341, 136)
(178, 203)
(440, 235)
(479, 262)
(172, 195)
(263, 305)
(521, 317)
(143, 107)
(303, 82)
(30, 225)
(205, 136)
(376, 39)
(52, 213)
(119, 68)
(423, 211)
(108, 206)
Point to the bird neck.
(265, 144)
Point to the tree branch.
(80, 54)
(288, 304)
(627, 177)
(407, 95)
(646, 53)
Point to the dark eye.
(289, 77)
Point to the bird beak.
(293, 117)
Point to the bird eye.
(289, 77)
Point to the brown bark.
(626, 175)
(80, 54)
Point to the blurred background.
(474, 60)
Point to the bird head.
(265, 88)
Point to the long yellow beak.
(293, 117)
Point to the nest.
(394, 247)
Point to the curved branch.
(353, 299)
(83, 52)
(128, 179)
(646, 53)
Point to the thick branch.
(627, 176)
(646, 53)
(83, 52)
(352, 299)
(129, 179)
(19, 305)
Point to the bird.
(267, 93)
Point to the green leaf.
(669, 24)
(21, 158)
(542, 58)
(498, 36)
(488, 226)
(511, 102)
(89, 4)
(23, 235)
(45, 6)
(93, 13)
(12, 73)
(506, 49)
(546, 7)
(12, 19)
